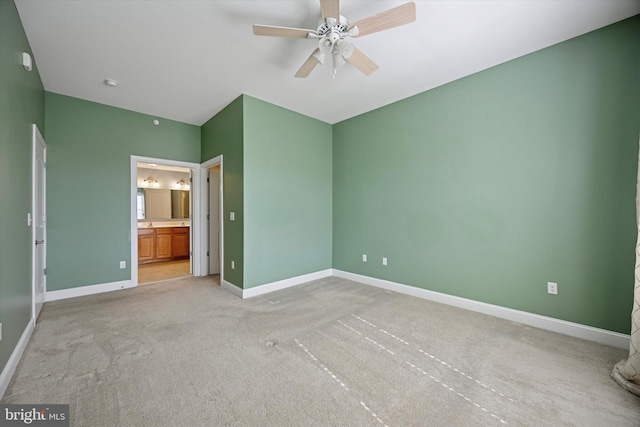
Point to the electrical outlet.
(364, 257)
(384, 261)
(123, 264)
(233, 265)
(552, 288)
(232, 216)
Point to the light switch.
(232, 216)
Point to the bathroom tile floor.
(155, 272)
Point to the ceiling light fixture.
(111, 82)
(155, 122)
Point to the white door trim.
(204, 237)
(37, 139)
(196, 222)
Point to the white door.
(214, 220)
(39, 221)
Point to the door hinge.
(207, 216)
(190, 179)
(44, 165)
(207, 253)
(45, 271)
(207, 179)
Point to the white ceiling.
(186, 60)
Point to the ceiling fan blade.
(362, 62)
(395, 17)
(308, 65)
(330, 9)
(268, 30)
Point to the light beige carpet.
(327, 353)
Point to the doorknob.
(39, 242)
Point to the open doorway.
(213, 183)
(214, 219)
(164, 220)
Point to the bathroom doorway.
(163, 206)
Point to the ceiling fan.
(333, 32)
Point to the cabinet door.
(164, 243)
(181, 242)
(145, 245)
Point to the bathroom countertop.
(162, 224)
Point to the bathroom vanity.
(163, 243)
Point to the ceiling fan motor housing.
(325, 26)
(330, 32)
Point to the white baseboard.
(602, 336)
(236, 290)
(14, 359)
(82, 291)
(286, 283)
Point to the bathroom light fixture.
(150, 182)
(182, 183)
(110, 82)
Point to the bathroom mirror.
(160, 204)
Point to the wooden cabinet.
(146, 243)
(181, 242)
(163, 244)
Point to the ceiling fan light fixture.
(347, 49)
(333, 32)
(325, 46)
(320, 57)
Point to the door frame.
(37, 139)
(196, 222)
(204, 194)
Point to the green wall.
(485, 188)
(89, 148)
(21, 105)
(223, 135)
(490, 186)
(287, 193)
